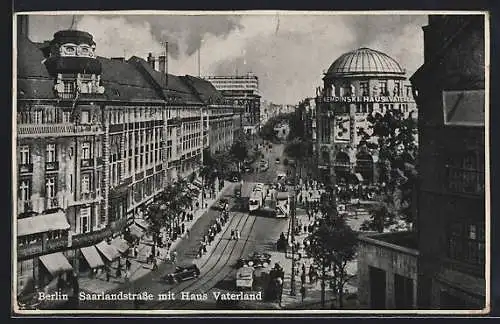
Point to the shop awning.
(92, 256)
(56, 263)
(359, 177)
(42, 223)
(120, 244)
(135, 230)
(109, 251)
(142, 223)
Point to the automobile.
(277, 160)
(255, 260)
(244, 278)
(222, 204)
(182, 273)
(234, 176)
(248, 169)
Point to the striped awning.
(135, 230)
(42, 223)
(56, 263)
(92, 256)
(109, 251)
(120, 244)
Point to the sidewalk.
(313, 290)
(184, 245)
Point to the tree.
(397, 147)
(332, 245)
(239, 150)
(165, 210)
(298, 150)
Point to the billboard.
(342, 129)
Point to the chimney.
(151, 60)
(166, 64)
(23, 25)
(119, 59)
(161, 63)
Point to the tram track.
(213, 271)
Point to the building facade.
(357, 84)
(96, 140)
(450, 93)
(242, 90)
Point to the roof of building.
(364, 61)
(205, 89)
(131, 80)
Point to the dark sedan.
(182, 273)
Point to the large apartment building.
(242, 90)
(97, 139)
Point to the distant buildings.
(96, 140)
(242, 90)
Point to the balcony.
(51, 203)
(87, 163)
(25, 168)
(85, 198)
(25, 251)
(91, 238)
(52, 166)
(57, 130)
(56, 244)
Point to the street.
(217, 267)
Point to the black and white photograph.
(264, 162)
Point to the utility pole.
(293, 289)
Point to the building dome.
(365, 61)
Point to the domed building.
(358, 83)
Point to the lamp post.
(293, 291)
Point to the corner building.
(450, 93)
(357, 84)
(97, 139)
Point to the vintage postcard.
(270, 162)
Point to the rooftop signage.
(361, 99)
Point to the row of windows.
(25, 154)
(43, 116)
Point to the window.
(85, 220)
(25, 156)
(69, 86)
(397, 88)
(50, 187)
(363, 88)
(84, 117)
(36, 117)
(25, 190)
(383, 88)
(85, 183)
(465, 176)
(66, 116)
(86, 150)
(467, 242)
(51, 152)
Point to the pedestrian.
(119, 272)
(127, 276)
(107, 273)
(174, 256)
(155, 264)
(303, 277)
(303, 292)
(232, 234)
(128, 264)
(303, 267)
(237, 232)
(187, 233)
(183, 227)
(200, 251)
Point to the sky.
(288, 52)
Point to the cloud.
(288, 52)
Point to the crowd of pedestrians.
(213, 230)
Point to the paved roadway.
(217, 267)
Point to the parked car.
(256, 260)
(182, 273)
(248, 169)
(277, 160)
(234, 176)
(244, 278)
